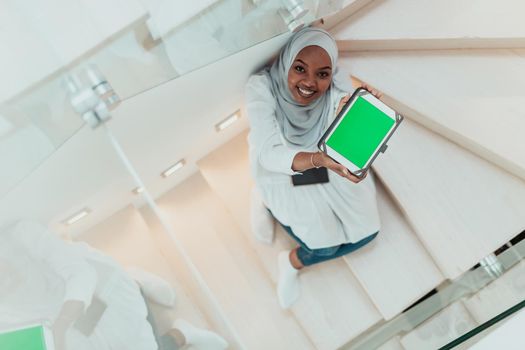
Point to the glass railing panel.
(458, 313)
(485, 329)
(32, 127)
(145, 43)
(81, 257)
(136, 46)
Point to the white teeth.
(306, 92)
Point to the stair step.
(461, 207)
(472, 97)
(415, 22)
(238, 283)
(356, 45)
(333, 308)
(395, 270)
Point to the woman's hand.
(372, 90)
(321, 159)
(365, 86)
(342, 103)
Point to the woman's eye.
(324, 74)
(299, 69)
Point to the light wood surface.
(333, 307)
(461, 207)
(223, 257)
(446, 19)
(395, 269)
(473, 97)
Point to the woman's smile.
(305, 92)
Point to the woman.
(289, 106)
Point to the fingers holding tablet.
(354, 178)
(373, 91)
(339, 169)
(343, 101)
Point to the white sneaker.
(288, 290)
(200, 338)
(261, 220)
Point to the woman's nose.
(309, 82)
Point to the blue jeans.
(309, 256)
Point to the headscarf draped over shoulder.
(302, 126)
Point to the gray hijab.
(302, 126)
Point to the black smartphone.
(311, 176)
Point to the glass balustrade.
(136, 46)
(458, 314)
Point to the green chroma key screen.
(31, 338)
(360, 132)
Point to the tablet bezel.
(353, 168)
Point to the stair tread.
(211, 238)
(461, 206)
(457, 94)
(395, 269)
(333, 307)
(421, 20)
(419, 277)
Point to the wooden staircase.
(451, 187)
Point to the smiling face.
(310, 75)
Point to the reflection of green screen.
(360, 132)
(23, 339)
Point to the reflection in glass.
(458, 307)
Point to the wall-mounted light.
(173, 168)
(223, 124)
(77, 216)
(138, 190)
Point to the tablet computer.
(30, 337)
(360, 132)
